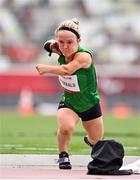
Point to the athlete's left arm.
(81, 60)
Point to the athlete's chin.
(67, 54)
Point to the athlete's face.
(68, 42)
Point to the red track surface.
(44, 173)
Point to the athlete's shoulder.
(86, 50)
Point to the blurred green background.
(37, 134)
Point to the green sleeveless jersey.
(80, 88)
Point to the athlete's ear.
(79, 40)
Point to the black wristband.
(47, 47)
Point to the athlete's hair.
(72, 25)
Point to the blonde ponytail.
(72, 25)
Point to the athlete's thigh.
(66, 117)
(94, 128)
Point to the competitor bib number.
(69, 83)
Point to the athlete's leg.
(67, 120)
(94, 129)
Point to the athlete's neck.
(70, 58)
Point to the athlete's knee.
(66, 129)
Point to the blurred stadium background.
(110, 28)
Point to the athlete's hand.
(41, 68)
(55, 47)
